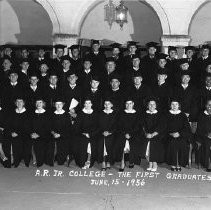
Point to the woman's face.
(152, 106)
(59, 105)
(174, 106)
(208, 106)
(208, 69)
(19, 103)
(108, 105)
(87, 104)
(39, 104)
(129, 105)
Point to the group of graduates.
(106, 109)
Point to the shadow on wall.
(35, 25)
(146, 23)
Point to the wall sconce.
(115, 14)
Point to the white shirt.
(94, 90)
(53, 86)
(14, 84)
(115, 89)
(72, 86)
(137, 86)
(33, 87)
(208, 88)
(87, 70)
(65, 70)
(24, 71)
(184, 86)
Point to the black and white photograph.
(105, 104)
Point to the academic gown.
(107, 122)
(203, 129)
(60, 124)
(177, 147)
(21, 145)
(40, 126)
(86, 123)
(154, 122)
(129, 123)
(204, 94)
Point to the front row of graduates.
(104, 136)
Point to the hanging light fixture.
(121, 14)
(109, 11)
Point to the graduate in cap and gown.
(60, 125)
(40, 131)
(178, 135)
(87, 129)
(154, 126)
(107, 132)
(129, 132)
(203, 134)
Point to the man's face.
(137, 80)
(43, 68)
(173, 54)
(75, 53)
(208, 81)
(25, 65)
(136, 62)
(162, 78)
(66, 64)
(13, 77)
(25, 53)
(94, 84)
(72, 79)
(8, 51)
(95, 47)
(7, 64)
(115, 51)
(208, 106)
(132, 49)
(185, 79)
(152, 51)
(33, 80)
(110, 66)
(189, 53)
(184, 66)
(205, 52)
(162, 63)
(208, 69)
(87, 64)
(53, 79)
(115, 84)
(41, 53)
(59, 52)
(152, 106)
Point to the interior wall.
(140, 17)
(24, 22)
(200, 27)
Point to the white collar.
(33, 87)
(65, 70)
(185, 86)
(161, 83)
(135, 68)
(137, 86)
(87, 111)
(87, 70)
(0, 108)
(108, 112)
(72, 86)
(131, 111)
(96, 53)
(205, 57)
(205, 112)
(43, 74)
(175, 112)
(94, 90)
(154, 112)
(115, 89)
(39, 111)
(59, 112)
(53, 86)
(22, 110)
(24, 71)
(14, 84)
(208, 88)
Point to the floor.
(71, 188)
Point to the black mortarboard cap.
(59, 99)
(59, 46)
(190, 48)
(172, 48)
(96, 78)
(137, 74)
(162, 56)
(131, 43)
(116, 76)
(205, 46)
(129, 98)
(110, 59)
(65, 57)
(94, 41)
(135, 56)
(151, 44)
(87, 58)
(115, 45)
(75, 46)
(183, 60)
(162, 71)
(53, 73)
